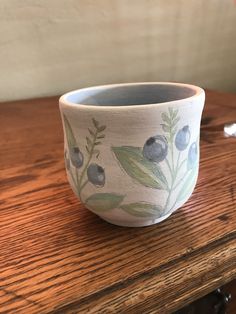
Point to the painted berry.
(96, 175)
(67, 160)
(182, 138)
(192, 155)
(76, 157)
(156, 148)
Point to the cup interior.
(132, 94)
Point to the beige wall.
(48, 47)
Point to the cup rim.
(64, 98)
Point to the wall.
(48, 47)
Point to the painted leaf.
(91, 132)
(143, 209)
(165, 128)
(165, 118)
(69, 133)
(101, 136)
(171, 111)
(95, 123)
(101, 202)
(167, 138)
(139, 168)
(101, 128)
(188, 184)
(176, 120)
(159, 175)
(89, 142)
(175, 114)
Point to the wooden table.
(57, 257)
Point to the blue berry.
(192, 155)
(76, 157)
(182, 138)
(156, 148)
(96, 175)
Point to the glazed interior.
(133, 94)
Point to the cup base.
(136, 223)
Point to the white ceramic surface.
(132, 150)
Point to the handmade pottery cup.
(132, 150)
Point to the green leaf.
(95, 123)
(165, 128)
(100, 136)
(171, 112)
(175, 113)
(89, 142)
(168, 138)
(175, 121)
(91, 132)
(139, 168)
(101, 128)
(188, 184)
(143, 209)
(101, 202)
(165, 118)
(69, 133)
(87, 149)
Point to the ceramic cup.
(132, 150)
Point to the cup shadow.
(179, 223)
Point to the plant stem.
(77, 178)
(168, 165)
(173, 187)
(171, 207)
(171, 169)
(177, 165)
(180, 180)
(167, 201)
(172, 157)
(83, 185)
(180, 166)
(87, 164)
(73, 179)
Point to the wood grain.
(57, 257)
